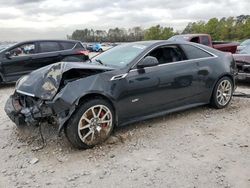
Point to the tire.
(222, 94)
(100, 50)
(83, 118)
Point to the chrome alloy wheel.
(224, 92)
(95, 124)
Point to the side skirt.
(162, 113)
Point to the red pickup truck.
(206, 39)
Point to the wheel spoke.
(92, 136)
(221, 99)
(93, 112)
(84, 127)
(104, 116)
(86, 136)
(86, 119)
(104, 121)
(99, 113)
(228, 88)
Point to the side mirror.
(148, 61)
(7, 55)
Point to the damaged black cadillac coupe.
(128, 83)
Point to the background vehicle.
(242, 59)
(243, 65)
(97, 47)
(206, 39)
(244, 47)
(24, 57)
(128, 83)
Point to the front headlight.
(20, 81)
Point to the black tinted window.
(194, 52)
(49, 47)
(167, 54)
(205, 40)
(67, 45)
(195, 39)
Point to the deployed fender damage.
(52, 93)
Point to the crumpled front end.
(42, 83)
(44, 94)
(23, 110)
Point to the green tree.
(158, 33)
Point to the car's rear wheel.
(91, 124)
(222, 93)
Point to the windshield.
(179, 37)
(246, 42)
(4, 46)
(246, 50)
(120, 56)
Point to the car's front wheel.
(222, 93)
(91, 124)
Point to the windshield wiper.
(99, 61)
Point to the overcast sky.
(29, 19)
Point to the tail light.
(83, 52)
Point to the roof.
(50, 40)
(193, 35)
(158, 42)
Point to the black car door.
(48, 53)
(169, 85)
(206, 63)
(19, 61)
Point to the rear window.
(67, 45)
(193, 52)
(49, 47)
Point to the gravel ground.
(201, 147)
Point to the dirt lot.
(201, 147)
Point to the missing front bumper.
(14, 113)
(27, 110)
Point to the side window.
(49, 47)
(23, 50)
(205, 40)
(195, 39)
(168, 54)
(67, 45)
(193, 52)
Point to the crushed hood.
(45, 82)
